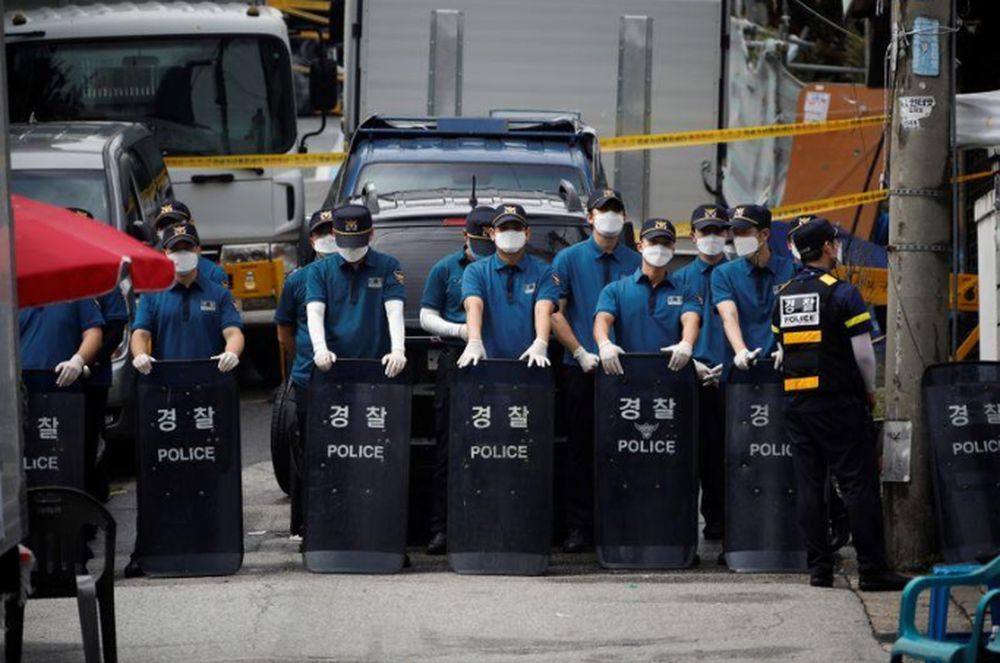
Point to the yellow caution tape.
(828, 204)
(709, 137)
(310, 160)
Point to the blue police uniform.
(582, 271)
(51, 334)
(753, 290)
(187, 322)
(509, 294)
(697, 275)
(212, 270)
(356, 324)
(443, 289)
(647, 318)
(113, 309)
(291, 311)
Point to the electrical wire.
(827, 21)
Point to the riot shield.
(500, 469)
(762, 533)
(190, 520)
(646, 465)
(357, 469)
(962, 405)
(54, 432)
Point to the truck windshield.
(400, 177)
(198, 95)
(86, 189)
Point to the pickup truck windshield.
(399, 177)
(198, 95)
(86, 189)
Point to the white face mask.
(795, 252)
(511, 241)
(657, 256)
(352, 255)
(746, 246)
(325, 245)
(730, 251)
(711, 245)
(185, 262)
(609, 224)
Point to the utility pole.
(920, 211)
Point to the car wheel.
(283, 429)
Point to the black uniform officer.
(828, 363)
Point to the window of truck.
(397, 177)
(86, 189)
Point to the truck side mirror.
(323, 84)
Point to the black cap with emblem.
(476, 224)
(178, 233)
(170, 213)
(709, 216)
(510, 214)
(352, 226)
(321, 218)
(653, 228)
(606, 199)
(810, 237)
(794, 224)
(750, 216)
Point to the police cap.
(321, 218)
(653, 228)
(352, 225)
(605, 198)
(794, 224)
(750, 216)
(509, 214)
(170, 213)
(810, 237)
(709, 216)
(479, 220)
(178, 233)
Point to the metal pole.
(444, 73)
(635, 79)
(919, 250)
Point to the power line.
(827, 21)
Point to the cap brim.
(500, 220)
(170, 219)
(177, 239)
(653, 234)
(710, 223)
(314, 228)
(604, 201)
(743, 224)
(352, 241)
(482, 247)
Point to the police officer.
(65, 336)
(582, 271)
(648, 310)
(710, 228)
(829, 371)
(293, 335)
(355, 299)
(442, 314)
(793, 225)
(176, 212)
(743, 290)
(509, 298)
(195, 319)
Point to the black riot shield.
(962, 406)
(762, 534)
(357, 469)
(54, 432)
(646, 465)
(190, 520)
(500, 469)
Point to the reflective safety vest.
(818, 354)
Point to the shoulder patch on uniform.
(555, 278)
(400, 277)
(208, 305)
(828, 279)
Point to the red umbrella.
(62, 256)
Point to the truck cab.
(207, 80)
(114, 171)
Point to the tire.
(283, 429)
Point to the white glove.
(680, 355)
(779, 357)
(394, 363)
(588, 360)
(324, 360)
(609, 353)
(474, 351)
(463, 332)
(744, 359)
(69, 371)
(143, 363)
(707, 376)
(227, 361)
(537, 354)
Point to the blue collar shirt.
(52, 334)
(647, 318)
(291, 312)
(711, 346)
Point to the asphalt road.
(273, 610)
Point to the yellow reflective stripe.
(858, 319)
(798, 384)
(792, 338)
(828, 279)
(775, 329)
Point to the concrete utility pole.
(919, 248)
